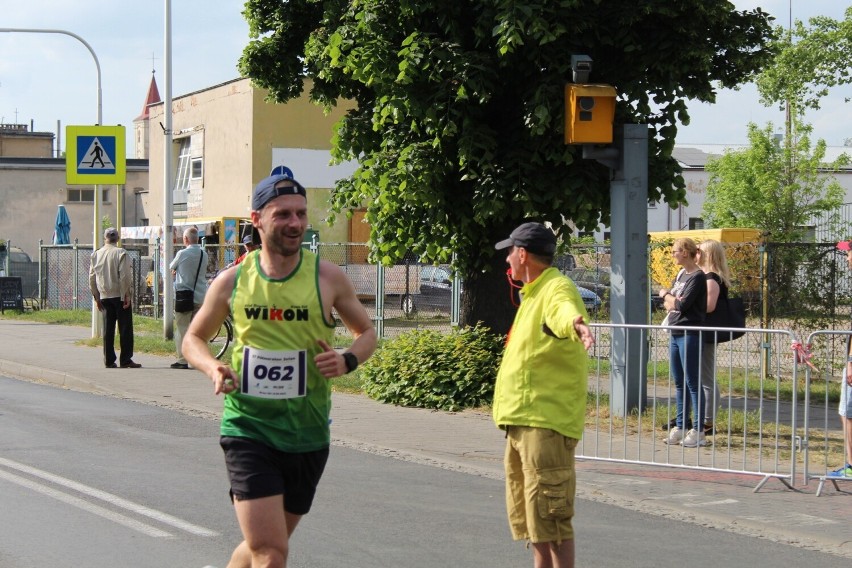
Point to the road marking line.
(794, 519)
(117, 518)
(160, 516)
(710, 503)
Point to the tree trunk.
(488, 297)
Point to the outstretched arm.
(204, 325)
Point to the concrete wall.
(31, 190)
(664, 218)
(16, 143)
(219, 121)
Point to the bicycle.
(220, 342)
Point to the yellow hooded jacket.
(543, 375)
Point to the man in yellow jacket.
(540, 397)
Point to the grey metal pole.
(629, 304)
(168, 192)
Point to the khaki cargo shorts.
(540, 484)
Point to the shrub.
(429, 369)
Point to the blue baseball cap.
(265, 191)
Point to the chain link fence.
(404, 296)
(795, 286)
(64, 276)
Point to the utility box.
(589, 113)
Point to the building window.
(808, 233)
(183, 165)
(696, 223)
(85, 195)
(197, 168)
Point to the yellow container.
(741, 249)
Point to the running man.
(275, 423)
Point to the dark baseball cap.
(844, 245)
(265, 191)
(534, 237)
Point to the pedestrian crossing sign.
(95, 155)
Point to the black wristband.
(351, 361)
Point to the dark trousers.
(115, 312)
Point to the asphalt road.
(87, 480)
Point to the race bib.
(274, 374)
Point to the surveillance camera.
(581, 65)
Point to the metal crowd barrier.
(824, 443)
(757, 429)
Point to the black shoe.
(112, 366)
(130, 365)
(179, 366)
(709, 430)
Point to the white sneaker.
(694, 438)
(675, 436)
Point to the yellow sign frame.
(113, 142)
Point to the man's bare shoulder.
(225, 279)
(330, 270)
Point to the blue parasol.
(62, 227)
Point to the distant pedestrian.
(686, 302)
(250, 245)
(845, 409)
(189, 269)
(275, 424)
(540, 397)
(111, 283)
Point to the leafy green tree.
(810, 61)
(459, 109)
(777, 188)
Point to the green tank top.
(276, 327)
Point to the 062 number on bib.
(274, 374)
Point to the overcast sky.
(45, 78)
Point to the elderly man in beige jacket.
(111, 284)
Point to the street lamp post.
(97, 197)
(168, 194)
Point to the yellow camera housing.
(589, 113)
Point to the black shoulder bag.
(185, 299)
(729, 312)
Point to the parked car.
(15, 254)
(598, 280)
(18, 263)
(591, 300)
(436, 290)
